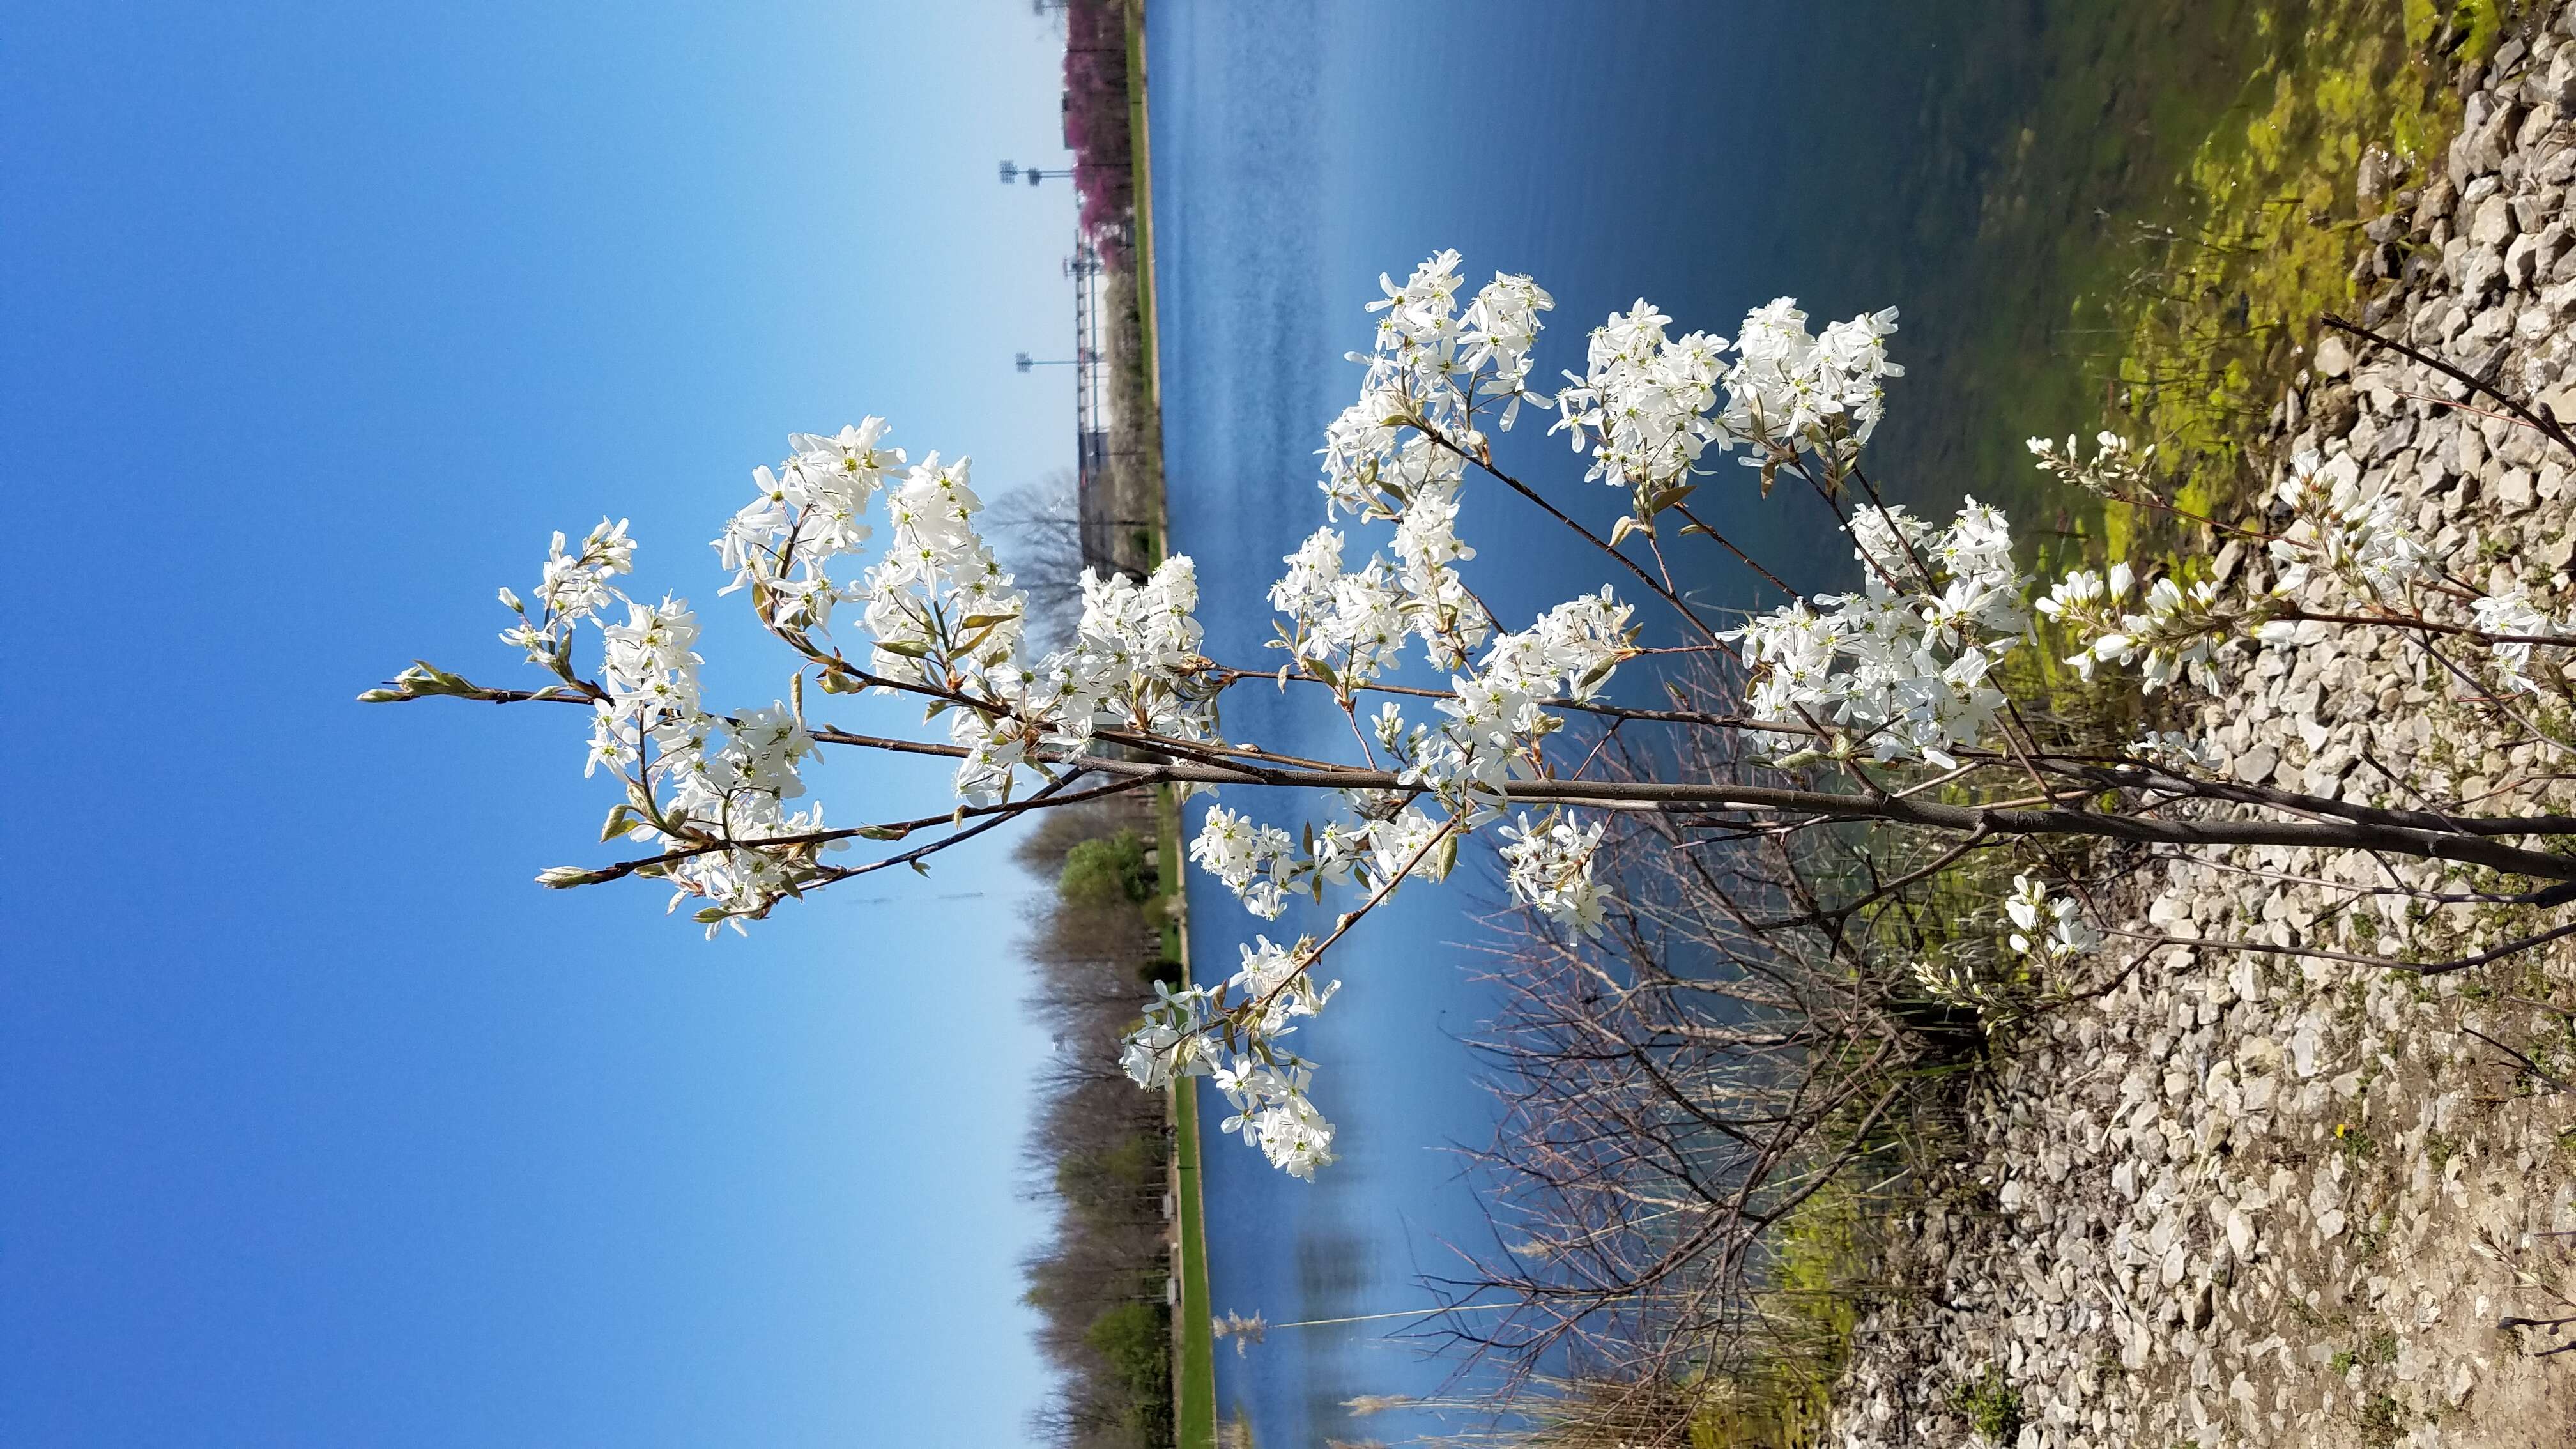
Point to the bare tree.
(1039, 530)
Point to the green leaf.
(1670, 496)
(622, 817)
(905, 647)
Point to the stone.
(2478, 151)
(2493, 223)
(2256, 765)
(2514, 491)
(2481, 270)
(2521, 266)
(2554, 87)
(2334, 358)
(2370, 179)
(2440, 197)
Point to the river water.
(1699, 155)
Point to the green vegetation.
(2132, 218)
(1099, 1282)
(1784, 1399)
(1107, 871)
(1194, 1342)
(1991, 1406)
(1195, 1380)
(2380, 1418)
(1135, 1339)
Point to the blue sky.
(318, 1122)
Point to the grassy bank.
(2131, 217)
(1193, 1335)
(1137, 368)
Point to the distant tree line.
(1099, 1148)
(1096, 122)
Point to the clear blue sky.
(319, 1124)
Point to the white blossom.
(1550, 867)
(2513, 613)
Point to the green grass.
(1194, 1361)
(2130, 216)
(1992, 1405)
(1141, 149)
(1808, 1312)
(1194, 1373)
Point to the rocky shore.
(2273, 1200)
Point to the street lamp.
(1024, 362)
(1012, 171)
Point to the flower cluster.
(805, 512)
(1134, 664)
(1498, 716)
(1251, 859)
(709, 791)
(2117, 469)
(2513, 613)
(2042, 932)
(1644, 402)
(2046, 930)
(1901, 667)
(1399, 454)
(2173, 630)
(2339, 532)
(573, 587)
(1550, 868)
(1230, 1033)
(2342, 547)
(1824, 392)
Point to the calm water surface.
(1299, 151)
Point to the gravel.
(2249, 1200)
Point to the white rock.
(2491, 226)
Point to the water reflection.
(1299, 151)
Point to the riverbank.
(2242, 1199)
(1136, 358)
(2130, 216)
